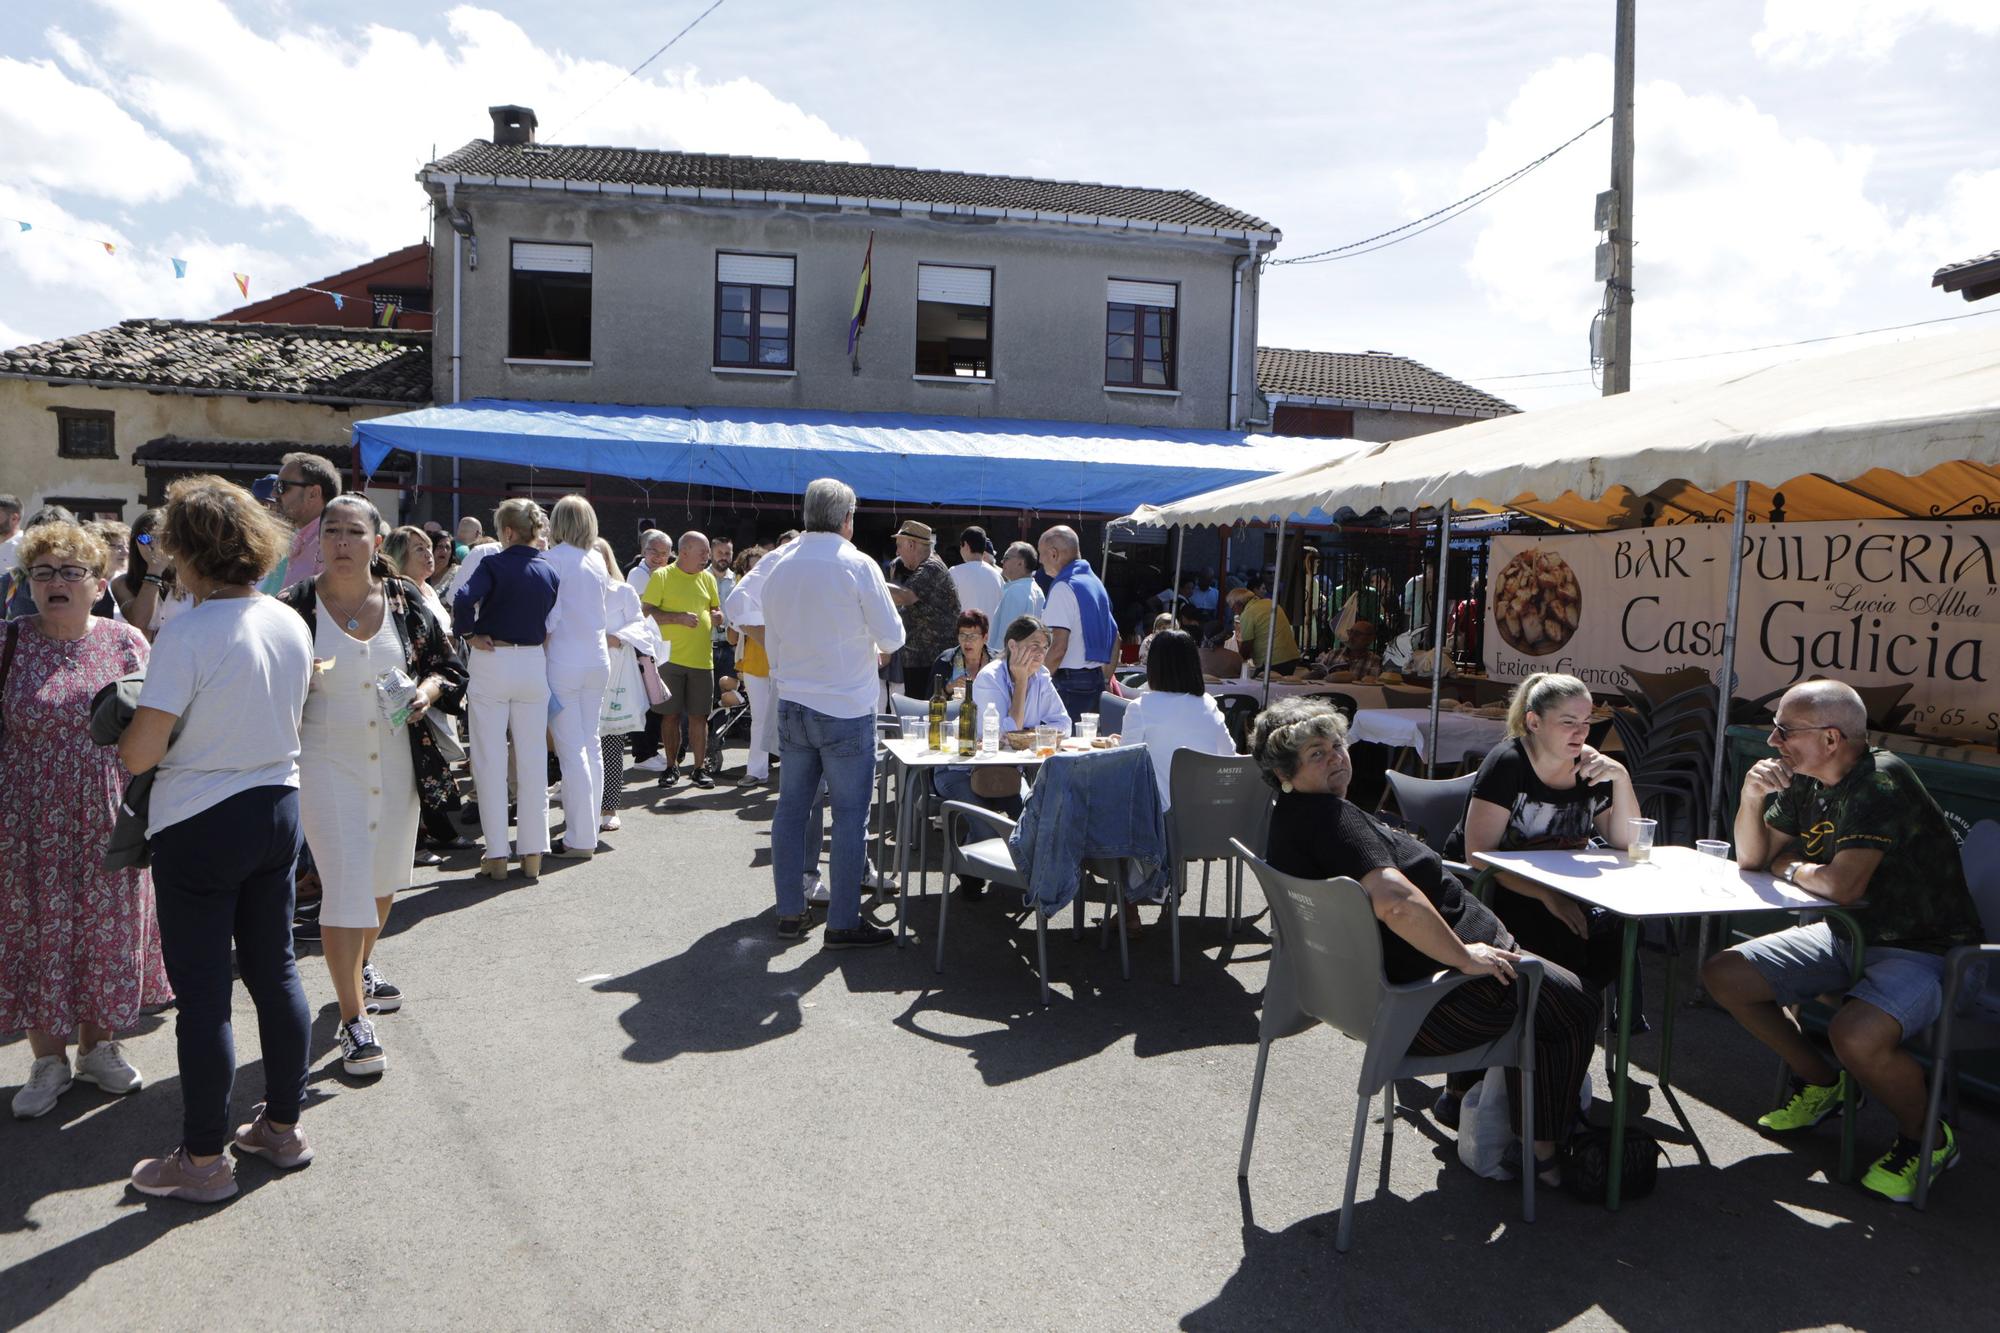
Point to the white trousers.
(763, 693)
(508, 698)
(581, 756)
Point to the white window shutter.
(755, 270)
(1123, 291)
(954, 286)
(537, 257)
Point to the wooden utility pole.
(1618, 286)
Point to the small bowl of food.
(1018, 740)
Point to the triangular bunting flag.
(242, 282)
(27, 226)
(339, 301)
(109, 248)
(180, 268)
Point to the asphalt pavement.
(616, 1100)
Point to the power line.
(1353, 249)
(1737, 351)
(631, 73)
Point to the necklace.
(353, 622)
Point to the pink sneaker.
(284, 1151)
(175, 1177)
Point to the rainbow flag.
(386, 319)
(242, 282)
(862, 290)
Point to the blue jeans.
(1080, 688)
(223, 877)
(842, 750)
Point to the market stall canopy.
(1901, 430)
(984, 462)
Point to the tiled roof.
(1371, 379)
(177, 452)
(1976, 278)
(312, 362)
(758, 176)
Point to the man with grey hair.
(470, 532)
(683, 598)
(1843, 820)
(1020, 595)
(656, 552)
(1083, 634)
(924, 593)
(827, 618)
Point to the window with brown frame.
(753, 311)
(548, 299)
(85, 433)
(1139, 335)
(1330, 422)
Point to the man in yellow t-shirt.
(1264, 631)
(684, 600)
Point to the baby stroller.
(724, 720)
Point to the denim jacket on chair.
(1098, 806)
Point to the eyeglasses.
(280, 486)
(1784, 733)
(69, 573)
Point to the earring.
(1286, 784)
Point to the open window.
(954, 321)
(549, 303)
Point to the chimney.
(512, 125)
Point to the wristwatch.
(1792, 873)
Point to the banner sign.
(1869, 603)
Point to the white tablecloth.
(1410, 728)
(1279, 689)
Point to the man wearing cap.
(928, 601)
(975, 575)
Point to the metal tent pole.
(1724, 688)
(1174, 591)
(1437, 638)
(1271, 630)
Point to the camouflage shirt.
(930, 624)
(1917, 897)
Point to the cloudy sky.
(1803, 165)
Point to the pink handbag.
(656, 689)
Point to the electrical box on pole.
(1614, 209)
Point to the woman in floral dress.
(79, 945)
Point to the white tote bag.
(625, 697)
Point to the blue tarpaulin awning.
(981, 462)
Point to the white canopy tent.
(1899, 430)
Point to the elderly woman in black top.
(1427, 918)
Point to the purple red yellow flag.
(242, 282)
(862, 291)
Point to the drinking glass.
(1712, 847)
(1714, 886)
(916, 729)
(1640, 850)
(1086, 727)
(1046, 740)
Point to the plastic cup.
(1640, 849)
(1086, 727)
(916, 728)
(1712, 847)
(1046, 740)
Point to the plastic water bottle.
(989, 730)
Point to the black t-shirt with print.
(1539, 817)
(1325, 837)
(1917, 897)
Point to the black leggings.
(1566, 1017)
(223, 876)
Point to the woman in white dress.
(579, 666)
(359, 764)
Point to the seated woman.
(958, 665)
(1162, 622)
(1175, 713)
(1017, 683)
(1428, 921)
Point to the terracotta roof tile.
(1367, 379)
(313, 362)
(646, 166)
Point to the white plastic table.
(915, 761)
(1675, 882)
(1410, 729)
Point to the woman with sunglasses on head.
(360, 768)
(79, 944)
(218, 718)
(147, 593)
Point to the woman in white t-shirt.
(218, 723)
(1175, 712)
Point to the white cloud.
(337, 141)
(1817, 32)
(63, 136)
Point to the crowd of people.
(198, 718)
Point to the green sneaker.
(1810, 1104)
(1894, 1175)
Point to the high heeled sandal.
(494, 867)
(531, 864)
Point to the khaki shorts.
(690, 690)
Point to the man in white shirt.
(976, 576)
(827, 619)
(1083, 637)
(1020, 595)
(656, 551)
(721, 556)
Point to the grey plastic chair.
(1215, 800)
(991, 859)
(1434, 807)
(921, 788)
(1979, 1028)
(1326, 967)
(1110, 713)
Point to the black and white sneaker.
(382, 996)
(305, 920)
(360, 1053)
